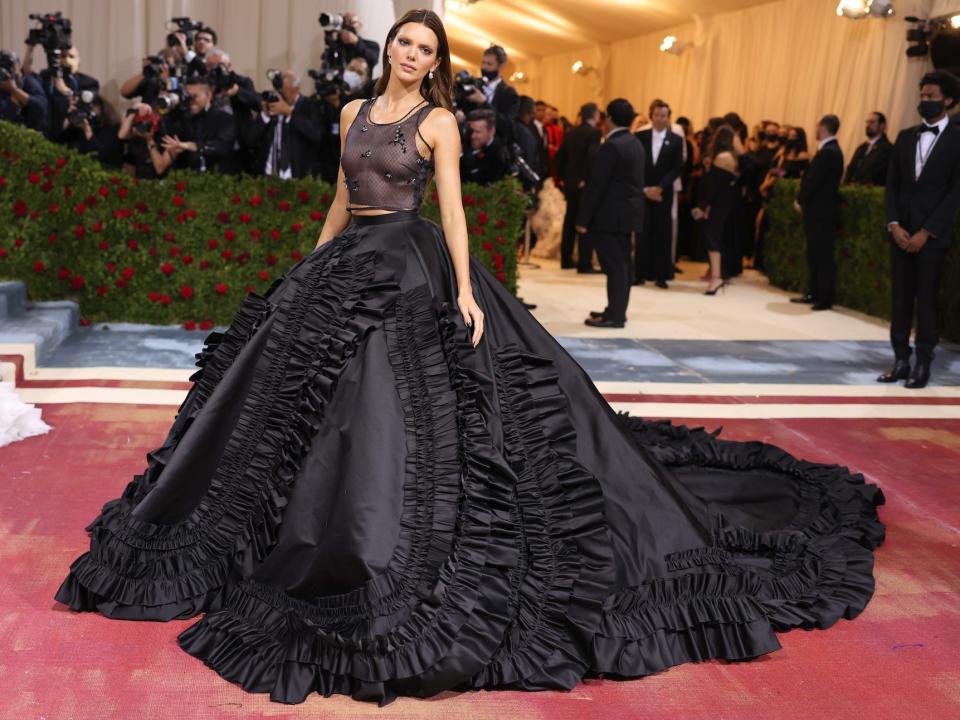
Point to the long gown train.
(360, 502)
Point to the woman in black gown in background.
(717, 194)
(367, 492)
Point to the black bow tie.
(935, 129)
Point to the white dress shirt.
(490, 88)
(656, 142)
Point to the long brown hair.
(439, 90)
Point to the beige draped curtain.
(788, 60)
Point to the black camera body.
(8, 65)
(154, 67)
(55, 34)
(221, 78)
(83, 110)
(185, 26)
(465, 84)
(276, 80)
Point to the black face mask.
(930, 109)
(490, 74)
(872, 133)
(791, 144)
(762, 136)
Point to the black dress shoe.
(821, 306)
(661, 284)
(567, 265)
(805, 299)
(899, 371)
(602, 323)
(588, 271)
(919, 377)
(639, 282)
(595, 314)
(677, 270)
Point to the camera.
(276, 79)
(185, 26)
(330, 75)
(528, 177)
(8, 65)
(55, 34)
(222, 78)
(335, 22)
(154, 67)
(465, 84)
(84, 109)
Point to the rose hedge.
(862, 254)
(186, 249)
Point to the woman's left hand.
(472, 316)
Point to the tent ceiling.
(530, 29)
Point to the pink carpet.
(900, 658)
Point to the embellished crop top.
(382, 167)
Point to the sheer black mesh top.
(382, 167)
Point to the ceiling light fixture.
(673, 46)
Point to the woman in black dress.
(376, 488)
(715, 203)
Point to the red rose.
(500, 240)
(206, 324)
(101, 290)
(245, 218)
(98, 227)
(296, 255)
(34, 214)
(316, 215)
(500, 224)
(166, 268)
(132, 244)
(34, 178)
(223, 217)
(204, 264)
(122, 192)
(153, 295)
(51, 238)
(47, 186)
(186, 292)
(186, 259)
(221, 288)
(120, 283)
(174, 251)
(243, 257)
(162, 213)
(79, 231)
(84, 321)
(18, 242)
(63, 273)
(165, 299)
(296, 227)
(104, 191)
(271, 260)
(20, 208)
(284, 206)
(236, 200)
(273, 191)
(61, 162)
(178, 200)
(256, 234)
(482, 217)
(303, 196)
(47, 171)
(128, 272)
(262, 274)
(213, 243)
(325, 198)
(227, 254)
(103, 245)
(182, 218)
(469, 200)
(274, 234)
(115, 180)
(111, 267)
(256, 200)
(91, 200)
(190, 325)
(141, 207)
(501, 277)
(181, 186)
(118, 214)
(77, 282)
(3, 181)
(191, 213)
(229, 235)
(53, 208)
(3, 252)
(38, 266)
(152, 252)
(488, 246)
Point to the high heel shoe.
(721, 286)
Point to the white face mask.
(353, 79)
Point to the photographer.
(201, 138)
(192, 41)
(327, 103)
(92, 129)
(153, 78)
(138, 134)
(356, 76)
(236, 95)
(286, 136)
(495, 93)
(22, 100)
(63, 86)
(355, 46)
(487, 160)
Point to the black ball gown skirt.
(360, 502)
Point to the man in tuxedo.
(819, 203)
(572, 165)
(495, 93)
(612, 207)
(871, 160)
(664, 162)
(922, 199)
(287, 136)
(487, 160)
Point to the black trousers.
(821, 233)
(915, 282)
(570, 235)
(654, 255)
(613, 249)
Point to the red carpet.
(898, 659)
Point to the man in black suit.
(287, 136)
(819, 203)
(487, 160)
(872, 158)
(612, 207)
(495, 93)
(572, 166)
(922, 198)
(664, 162)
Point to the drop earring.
(431, 74)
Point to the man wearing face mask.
(356, 76)
(922, 199)
(871, 160)
(355, 46)
(288, 133)
(495, 93)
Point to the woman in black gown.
(715, 202)
(367, 492)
